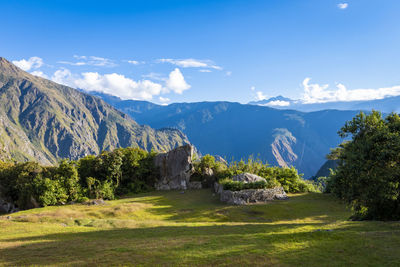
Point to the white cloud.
(228, 73)
(135, 62)
(118, 85)
(176, 82)
(154, 76)
(39, 73)
(279, 103)
(121, 86)
(63, 76)
(343, 5)
(315, 93)
(191, 63)
(164, 99)
(260, 96)
(31, 63)
(80, 57)
(204, 70)
(90, 61)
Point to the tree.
(368, 175)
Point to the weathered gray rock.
(7, 206)
(248, 196)
(208, 172)
(95, 202)
(218, 188)
(175, 168)
(247, 178)
(195, 185)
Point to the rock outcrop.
(175, 168)
(248, 196)
(7, 206)
(282, 147)
(248, 178)
(195, 185)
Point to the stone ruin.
(248, 196)
(176, 168)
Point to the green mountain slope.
(45, 121)
(233, 130)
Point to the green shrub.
(228, 184)
(368, 175)
(323, 184)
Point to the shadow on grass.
(248, 244)
(204, 206)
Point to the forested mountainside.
(45, 121)
(233, 130)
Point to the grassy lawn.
(194, 228)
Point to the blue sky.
(186, 51)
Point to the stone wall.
(248, 196)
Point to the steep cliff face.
(282, 147)
(45, 121)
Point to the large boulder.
(175, 168)
(6, 206)
(248, 196)
(247, 178)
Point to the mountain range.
(45, 121)
(385, 105)
(233, 130)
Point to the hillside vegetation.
(123, 171)
(368, 174)
(233, 130)
(44, 121)
(194, 228)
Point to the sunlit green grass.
(194, 228)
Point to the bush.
(203, 167)
(368, 175)
(228, 184)
(288, 178)
(122, 171)
(323, 184)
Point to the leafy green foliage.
(323, 184)
(237, 185)
(368, 175)
(122, 171)
(30, 185)
(288, 178)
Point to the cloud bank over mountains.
(314, 93)
(122, 86)
(111, 83)
(29, 64)
(158, 85)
